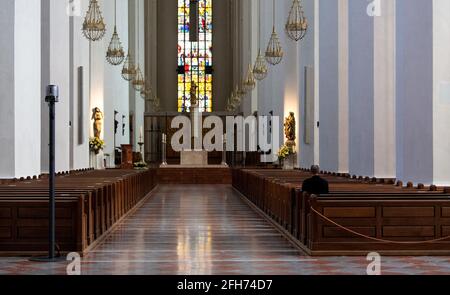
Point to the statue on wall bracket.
(289, 130)
(97, 116)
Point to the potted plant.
(96, 145)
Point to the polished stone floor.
(203, 230)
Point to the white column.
(329, 84)
(20, 81)
(343, 105)
(308, 141)
(384, 91)
(441, 92)
(81, 112)
(56, 70)
(371, 89)
(414, 89)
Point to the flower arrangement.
(285, 151)
(96, 144)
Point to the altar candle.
(142, 132)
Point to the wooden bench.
(106, 196)
(278, 194)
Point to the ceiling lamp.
(274, 52)
(297, 24)
(94, 27)
(115, 54)
(250, 81)
(240, 92)
(129, 69)
(146, 92)
(157, 104)
(260, 70)
(138, 81)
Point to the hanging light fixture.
(274, 52)
(115, 54)
(240, 92)
(260, 69)
(94, 27)
(138, 81)
(146, 92)
(297, 24)
(250, 82)
(157, 104)
(129, 69)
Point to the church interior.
(96, 94)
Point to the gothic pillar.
(423, 105)
(371, 90)
(20, 106)
(55, 56)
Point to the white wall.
(307, 58)
(414, 90)
(55, 71)
(20, 83)
(27, 64)
(116, 89)
(80, 117)
(7, 132)
(441, 92)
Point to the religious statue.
(193, 94)
(97, 116)
(289, 129)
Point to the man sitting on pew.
(315, 185)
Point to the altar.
(194, 158)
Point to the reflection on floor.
(192, 230)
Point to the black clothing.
(315, 186)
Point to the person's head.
(315, 170)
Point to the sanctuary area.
(225, 137)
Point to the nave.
(209, 229)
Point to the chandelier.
(146, 92)
(157, 104)
(138, 81)
(260, 70)
(240, 92)
(94, 27)
(129, 69)
(250, 82)
(274, 52)
(115, 54)
(297, 24)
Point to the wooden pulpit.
(127, 157)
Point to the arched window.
(195, 53)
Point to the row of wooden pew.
(358, 216)
(89, 203)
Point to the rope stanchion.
(376, 239)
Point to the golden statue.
(193, 93)
(97, 116)
(289, 129)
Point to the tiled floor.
(190, 230)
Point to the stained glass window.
(195, 58)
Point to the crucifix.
(193, 21)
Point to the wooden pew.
(106, 196)
(395, 218)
